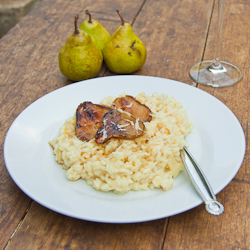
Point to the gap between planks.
(194, 84)
(206, 38)
(105, 72)
(30, 204)
(208, 30)
(19, 224)
(165, 234)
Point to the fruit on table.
(79, 58)
(124, 53)
(99, 35)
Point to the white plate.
(217, 143)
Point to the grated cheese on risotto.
(120, 165)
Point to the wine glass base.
(225, 75)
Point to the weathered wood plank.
(235, 50)
(12, 207)
(174, 33)
(44, 229)
(29, 70)
(173, 38)
(197, 229)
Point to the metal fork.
(201, 183)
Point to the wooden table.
(177, 34)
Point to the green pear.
(124, 53)
(79, 58)
(99, 35)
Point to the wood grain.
(197, 229)
(44, 229)
(29, 70)
(175, 35)
(32, 69)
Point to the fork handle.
(201, 183)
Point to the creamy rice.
(147, 162)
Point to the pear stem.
(76, 29)
(120, 15)
(87, 12)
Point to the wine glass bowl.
(222, 75)
(216, 73)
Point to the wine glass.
(216, 73)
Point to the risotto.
(147, 162)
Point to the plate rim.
(97, 79)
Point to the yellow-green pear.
(79, 58)
(124, 53)
(99, 35)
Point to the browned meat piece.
(89, 120)
(119, 125)
(134, 107)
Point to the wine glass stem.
(216, 61)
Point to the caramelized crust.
(89, 120)
(134, 107)
(119, 125)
